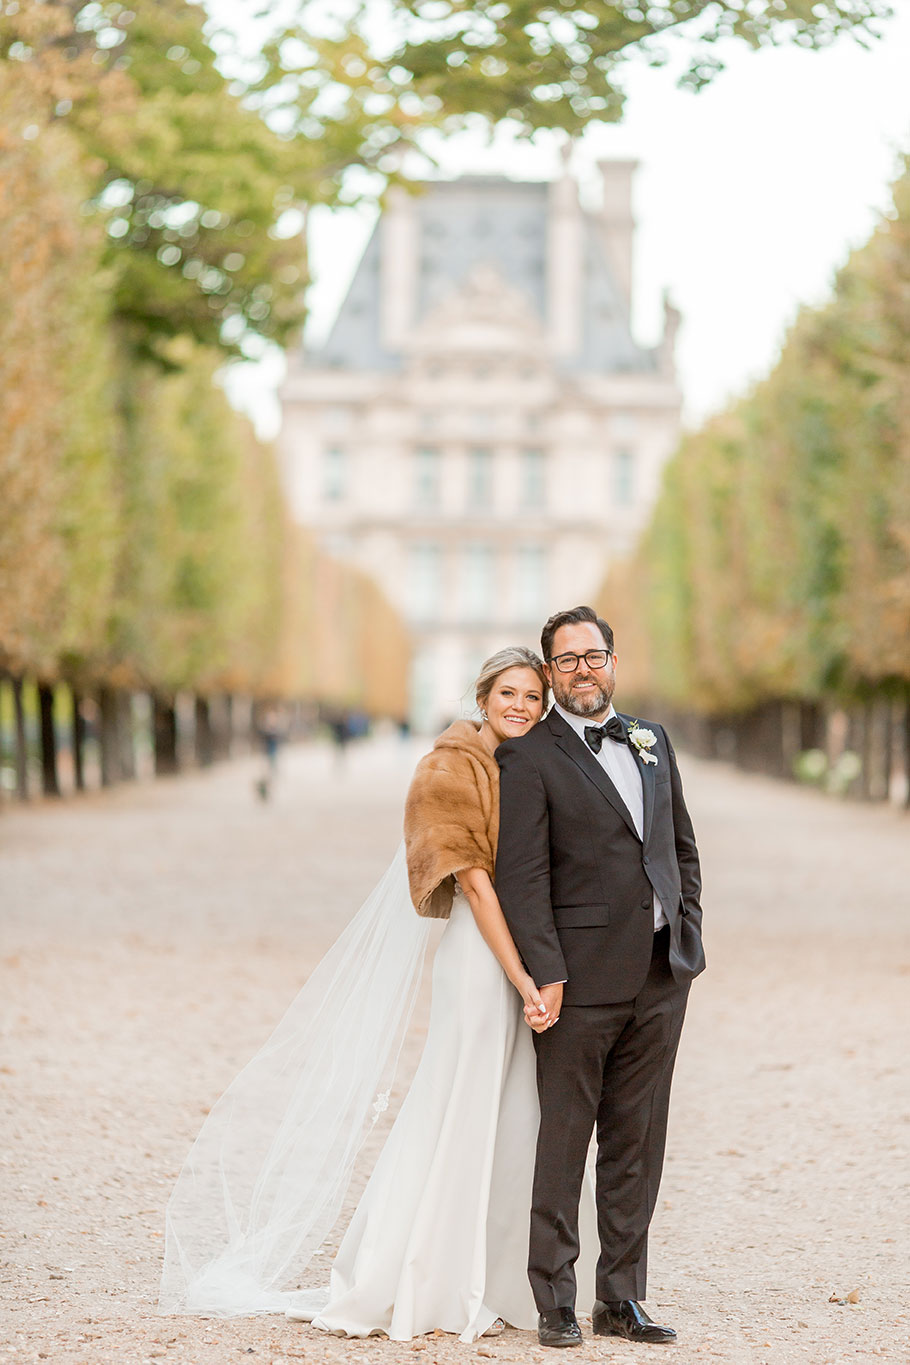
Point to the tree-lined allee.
(776, 568)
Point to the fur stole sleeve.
(451, 823)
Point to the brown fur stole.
(451, 817)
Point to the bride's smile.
(515, 704)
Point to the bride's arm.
(484, 903)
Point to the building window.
(425, 580)
(530, 582)
(473, 660)
(624, 477)
(477, 585)
(334, 474)
(426, 476)
(624, 425)
(337, 419)
(423, 688)
(480, 476)
(533, 478)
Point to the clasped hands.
(542, 1006)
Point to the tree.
(777, 562)
(192, 186)
(363, 91)
(195, 571)
(58, 530)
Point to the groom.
(598, 877)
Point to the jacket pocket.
(581, 916)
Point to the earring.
(483, 714)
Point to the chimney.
(565, 247)
(399, 244)
(666, 349)
(617, 221)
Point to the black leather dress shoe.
(558, 1327)
(628, 1319)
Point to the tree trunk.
(220, 711)
(126, 747)
(229, 722)
(791, 737)
(108, 737)
(21, 744)
(50, 782)
(78, 742)
(885, 742)
(165, 736)
(867, 749)
(812, 725)
(203, 736)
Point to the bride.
(439, 1238)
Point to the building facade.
(481, 432)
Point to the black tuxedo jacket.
(575, 881)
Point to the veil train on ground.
(265, 1181)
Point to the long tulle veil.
(266, 1178)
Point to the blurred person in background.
(271, 732)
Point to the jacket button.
(646, 905)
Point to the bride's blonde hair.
(513, 656)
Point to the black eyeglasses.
(595, 658)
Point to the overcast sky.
(748, 197)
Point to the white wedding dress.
(439, 1238)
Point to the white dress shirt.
(624, 771)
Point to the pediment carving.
(482, 313)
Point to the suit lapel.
(647, 771)
(574, 746)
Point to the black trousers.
(609, 1066)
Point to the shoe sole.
(557, 1345)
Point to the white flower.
(643, 740)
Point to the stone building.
(480, 431)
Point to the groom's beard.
(586, 703)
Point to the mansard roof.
(496, 224)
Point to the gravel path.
(152, 936)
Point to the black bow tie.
(611, 729)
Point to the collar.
(578, 723)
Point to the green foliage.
(198, 580)
(153, 184)
(195, 191)
(58, 529)
(777, 563)
(538, 64)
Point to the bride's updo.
(513, 656)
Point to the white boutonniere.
(643, 741)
